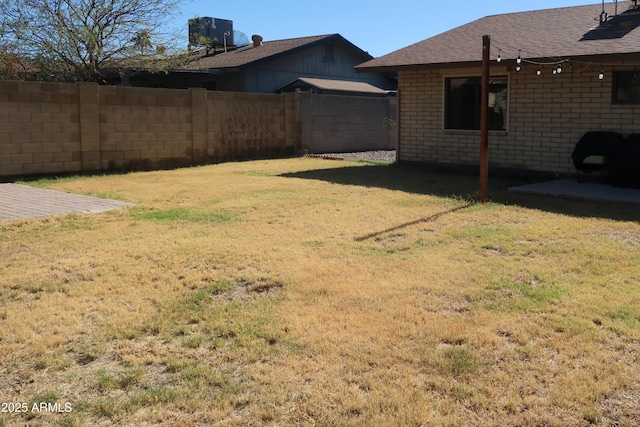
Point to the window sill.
(474, 132)
(625, 105)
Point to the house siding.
(270, 75)
(547, 116)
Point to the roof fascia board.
(590, 59)
(500, 70)
(329, 38)
(206, 71)
(414, 67)
(353, 47)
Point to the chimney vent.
(257, 40)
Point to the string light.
(557, 64)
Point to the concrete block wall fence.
(48, 128)
(347, 123)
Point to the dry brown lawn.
(317, 292)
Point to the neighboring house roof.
(251, 55)
(543, 34)
(339, 85)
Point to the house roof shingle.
(247, 55)
(543, 34)
(340, 85)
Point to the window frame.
(617, 75)
(470, 75)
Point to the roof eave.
(409, 67)
(587, 58)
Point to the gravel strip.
(382, 156)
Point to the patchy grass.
(304, 291)
(186, 215)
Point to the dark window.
(463, 97)
(327, 52)
(626, 87)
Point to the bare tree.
(76, 39)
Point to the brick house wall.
(547, 115)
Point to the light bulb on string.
(601, 75)
(499, 59)
(538, 72)
(519, 60)
(559, 69)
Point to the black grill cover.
(624, 169)
(596, 143)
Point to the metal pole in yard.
(484, 126)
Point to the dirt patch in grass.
(305, 291)
(623, 406)
(247, 289)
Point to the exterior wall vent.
(328, 54)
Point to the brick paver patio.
(19, 202)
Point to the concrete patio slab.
(571, 188)
(18, 202)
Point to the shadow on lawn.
(410, 223)
(420, 180)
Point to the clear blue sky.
(375, 26)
